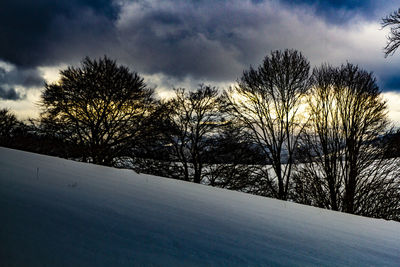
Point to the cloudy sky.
(175, 43)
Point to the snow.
(56, 212)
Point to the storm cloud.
(21, 77)
(217, 40)
(9, 94)
(344, 11)
(208, 41)
(45, 32)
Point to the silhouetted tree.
(233, 161)
(189, 121)
(100, 106)
(392, 21)
(393, 140)
(267, 101)
(347, 169)
(8, 124)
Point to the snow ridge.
(57, 212)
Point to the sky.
(177, 43)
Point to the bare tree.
(346, 167)
(233, 160)
(323, 145)
(190, 119)
(99, 105)
(8, 124)
(267, 101)
(393, 39)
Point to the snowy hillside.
(56, 212)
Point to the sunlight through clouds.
(393, 100)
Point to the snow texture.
(56, 212)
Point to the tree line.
(316, 136)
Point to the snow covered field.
(56, 212)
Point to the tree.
(267, 101)
(8, 124)
(100, 106)
(392, 21)
(233, 160)
(188, 122)
(321, 145)
(346, 167)
(394, 144)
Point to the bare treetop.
(393, 21)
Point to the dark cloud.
(207, 40)
(18, 77)
(342, 11)
(24, 77)
(391, 82)
(217, 40)
(204, 41)
(10, 94)
(42, 32)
